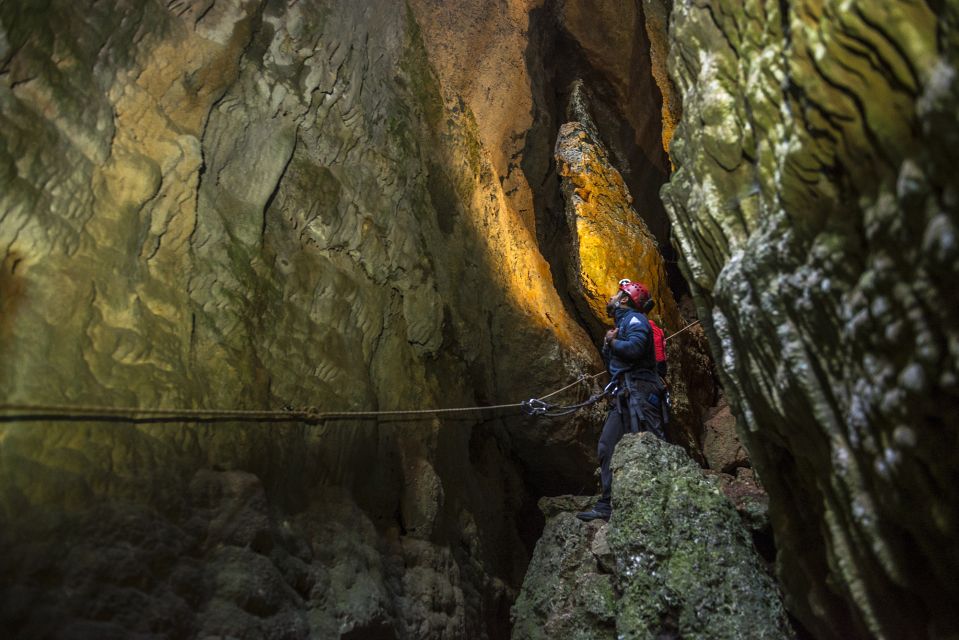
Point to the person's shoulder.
(635, 318)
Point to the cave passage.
(277, 275)
(556, 60)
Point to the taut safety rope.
(62, 413)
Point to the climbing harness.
(72, 413)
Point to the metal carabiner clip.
(610, 388)
(535, 407)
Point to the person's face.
(613, 303)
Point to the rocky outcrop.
(256, 205)
(610, 240)
(615, 42)
(603, 47)
(234, 567)
(814, 205)
(674, 561)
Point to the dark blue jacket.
(632, 350)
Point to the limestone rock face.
(674, 561)
(617, 40)
(815, 208)
(248, 205)
(610, 240)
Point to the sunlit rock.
(610, 239)
(258, 206)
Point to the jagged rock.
(622, 44)
(747, 495)
(692, 383)
(674, 561)
(656, 18)
(564, 594)
(814, 205)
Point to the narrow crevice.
(554, 60)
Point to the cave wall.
(219, 204)
(815, 207)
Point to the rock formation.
(262, 204)
(213, 204)
(610, 240)
(814, 204)
(673, 561)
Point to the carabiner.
(535, 407)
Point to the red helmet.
(638, 293)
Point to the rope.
(690, 325)
(133, 414)
(59, 412)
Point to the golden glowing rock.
(611, 241)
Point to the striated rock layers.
(674, 561)
(815, 206)
(255, 205)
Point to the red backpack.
(659, 344)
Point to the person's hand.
(611, 334)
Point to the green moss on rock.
(682, 563)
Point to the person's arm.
(606, 340)
(632, 344)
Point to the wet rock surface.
(234, 567)
(675, 560)
(814, 204)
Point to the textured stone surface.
(614, 38)
(247, 204)
(234, 568)
(610, 241)
(815, 206)
(692, 385)
(656, 17)
(674, 561)
(721, 445)
(747, 495)
(602, 45)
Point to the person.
(630, 356)
(659, 344)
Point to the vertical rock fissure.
(555, 59)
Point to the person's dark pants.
(629, 414)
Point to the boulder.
(721, 444)
(675, 560)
